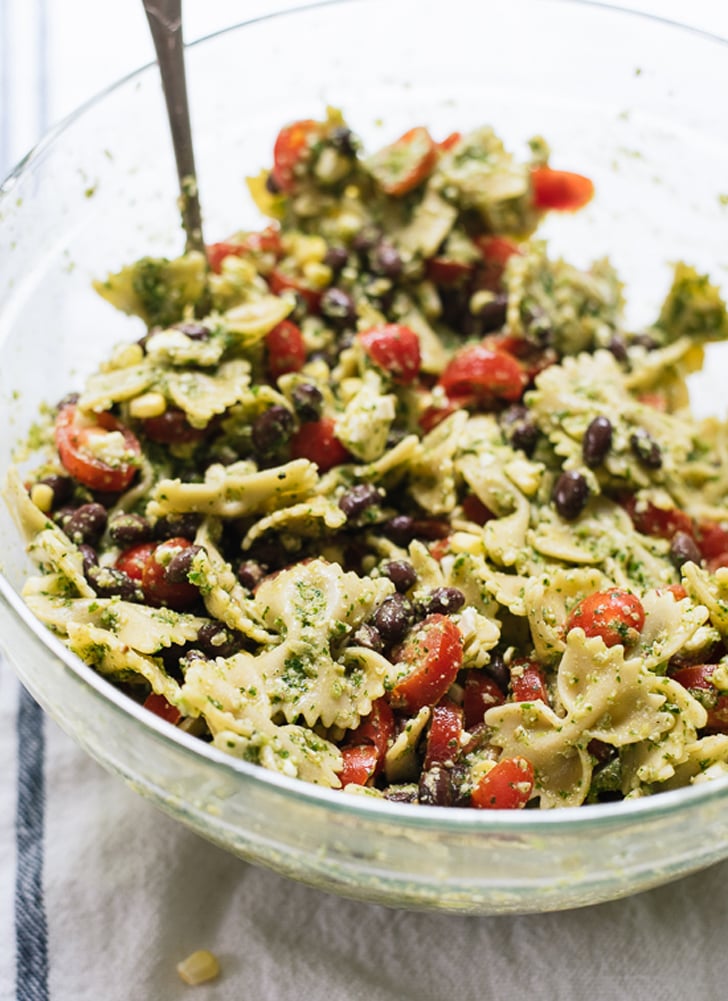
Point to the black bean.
(216, 640)
(402, 574)
(519, 428)
(597, 442)
(431, 528)
(338, 307)
(400, 529)
(90, 557)
(336, 258)
(62, 517)
(570, 494)
(646, 449)
(171, 428)
(272, 185)
(366, 238)
(684, 549)
(87, 523)
(344, 141)
(68, 400)
(307, 401)
(272, 429)
(251, 573)
(618, 348)
(189, 657)
(195, 331)
(355, 501)
(444, 601)
(173, 526)
(498, 670)
(393, 618)
(108, 582)
(492, 314)
(367, 636)
(436, 787)
(129, 529)
(405, 793)
(62, 487)
(645, 340)
(385, 260)
(178, 569)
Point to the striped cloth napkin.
(101, 896)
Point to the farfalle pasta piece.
(203, 395)
(603, 696)
(139, 627)
(364, 425)
(711, 591)
(669, 626)
(314, 607)
(432, 469)
(309, 518)
(230, 695)
(548, 599)
(236, 491)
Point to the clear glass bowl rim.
(433, 819)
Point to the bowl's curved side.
(99, 196)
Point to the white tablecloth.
(101, 895)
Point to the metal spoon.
(165, 24)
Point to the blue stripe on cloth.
(31, 930)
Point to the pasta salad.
(388, 498)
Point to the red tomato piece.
(394, 348)
(360, 763)
(443, 739)
(317, 441)
(291, 148)
(160, 707)
(483, 375)
(435, 414)
(76, 441)
(695, 676)
(475, 510)
(480, 693)
(434, 653)
(377, 728)
(712, 539)
(147, 564)
(446, 144)
(716, 562)
(658, 521)
(280, 281)
(529, 684)
(447, 272)
(677, 591)
(285, 348)
(264, 241)
(615, 615)
(560, 189)
(440, 548)
(507, 786)
(406, 163)
(172, 428)
(132, 561)
(496, 252)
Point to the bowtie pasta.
(387, 498)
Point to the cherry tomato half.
(80, 441)
(712, 539)
(285, 349)
(394, 348)
(160, 707)
(507, 786)
(528, 684)
(434, 653)
(148, 564)
(282, 281)
(367, 745)
(615, 615)
(560, 189)
(317, 441)
(446, 730)
(480, 693)
(483, 375)
(291, 148)
(406, 163)
(661, 522)
(265, 241)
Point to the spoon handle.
(165, 24)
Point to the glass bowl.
(633, 102)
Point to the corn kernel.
(316, 274)
(198, 967)
(147, 405)
(42, 496)
(126, 355)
